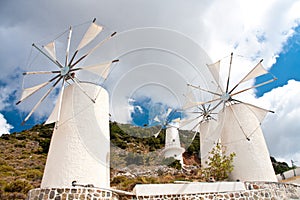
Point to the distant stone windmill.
(80, 145)
(172, 147)
(237, 127)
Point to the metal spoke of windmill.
(167, 119)
(67, 67)
(226, 97)
(197, 114)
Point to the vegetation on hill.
(23, 157)
(280, 167)
(22, 160)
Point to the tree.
(220, 164)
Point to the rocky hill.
(134, 160)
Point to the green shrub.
(5, 136)
(21, 186)
(118, 179)
(6, 168)
(194, 147)
(44, 144)
(134, 158)
(34, 174)
(219, 165)
(20, 145)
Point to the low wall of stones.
(274, 190)
(81, 193)
(254, 191)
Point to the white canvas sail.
(90, 34)
(53, 117)
(257, 71)
(209, 137)
(99, 69)
(30, 91)
(50, 48)
(215, 71)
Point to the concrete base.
(187, 188)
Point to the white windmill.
(80, 145)
(203, 121)
(172, 140)
(239, 126)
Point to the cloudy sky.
(255, 29)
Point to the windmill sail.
(99, 69)
(30, 91)
(50, 48)
(209, 137)
(90, 34)
(257, 71)
(215, 71)
(54, 115)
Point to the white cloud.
(282, 128)
(4, 126)
(249, 28)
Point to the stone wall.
(275, 190)
(81, 193)
(254, 191)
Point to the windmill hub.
(225, 96)
(65, 70)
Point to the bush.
(119, 179)
(220, 164)
(194, 147)
(20, 145)
(21, 186)
(134, 158)
(172, 162)
(34, 174)
(5, 136)
(45, 144)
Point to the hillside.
(134, 159)
(22, 159)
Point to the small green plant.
(34, 175)
(21, 186)
(220, 164)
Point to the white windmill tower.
(239, 127)
(201, 119)
(80, 146)
(172, 140)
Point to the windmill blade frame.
(67, 71)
